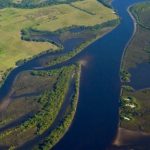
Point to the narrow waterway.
(96, 120)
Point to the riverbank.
(43, 117)
(129, 138)
(57, 134)
(133, 131)
(130, 40)
(18, 49)
(68, 56)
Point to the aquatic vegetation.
(50, 102)
(64, 125)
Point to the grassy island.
(49, 104)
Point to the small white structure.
(130, 105)
(127, 99)
(126, 118)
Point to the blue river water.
(96, 120)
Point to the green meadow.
(50, 18)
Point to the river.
(96, 120)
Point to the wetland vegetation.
(135, 102)
(43, 19)
(46, 100)
(47, 105)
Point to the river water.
(96, 119)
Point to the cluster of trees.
(26, 34)
(5, 3)
(62, 128)
(126, 108)
(36, 4)
(50, 101)
(5, 75)
(46, 73)
(69, 55)
(125, 76)
(110, 23)
(32, 3)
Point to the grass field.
(50, 18)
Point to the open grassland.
(12, 20)
(85, 13)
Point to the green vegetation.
(24, 86)
(127, 88)
(138, 50)
(51, 19)
(141, 14)
(137, 53)
(31, 3)
(26, 35)
(140, 117)
(39, 96)
(50, 102)
(125, 76)
(128, 108)
(69, 55)
(62, 128)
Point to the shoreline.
(53, 52)
(126, 137)
(132, 36)
(116, 138)
(78, 50)
(76, 103)
(128, 43)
